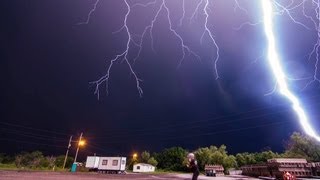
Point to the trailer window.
(115, 163)
(123, 162)
(104, 162)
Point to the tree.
(35, 159)
(30, 160)
(145, 156)
(7, 159)
(241, 160)
(229, 162)
(203, 156)
(2, 156)
(60, 160)
(264, 156)
(18, 160)
(245, 159)
(51, 161)
(48, 162)
(153, 161)
(172, 159)
(302, 146)
(215, 155)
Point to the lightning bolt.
(315, 50)
(184, 47)
(183, 13)
(123, 55)
(202, 9)
(278, 72)
(211, 38)
(238, 6)
(161, 6)
(207, 31)
(90, 13)
(315, 4)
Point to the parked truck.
(111, 165)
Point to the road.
(31, 175)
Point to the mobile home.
(114, 165)
(92, 163)
(142, 167)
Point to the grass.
(13, 167)
(8, 167)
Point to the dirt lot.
(24, 175)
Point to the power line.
(35, 129)
(28, 142)
(206, 134)
(188, 123)
(31, 135)
(156, 130)
(227, 131)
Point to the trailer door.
(123, 164)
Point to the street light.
(81, 142)
(135, 155)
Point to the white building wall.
(143, 168)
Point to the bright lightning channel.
(278, 72)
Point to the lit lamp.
(81, 142)
(135, 155)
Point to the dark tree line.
(298, 146)
(35, 160)
(174, 158)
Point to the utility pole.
(65, 158)
(75, 158)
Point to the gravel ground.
(27, 175)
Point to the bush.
(60, 160)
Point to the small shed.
(142, 167)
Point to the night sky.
(47, 62)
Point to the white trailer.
(114, 165)
(142, 167)
(92, 163)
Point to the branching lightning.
(123, 55)
(207, 31)
(184, 47)
(315, 50)
(163, 7)
(90, 13)
(202, 10)
(281, 9)
(278, 72)
(211, 38)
